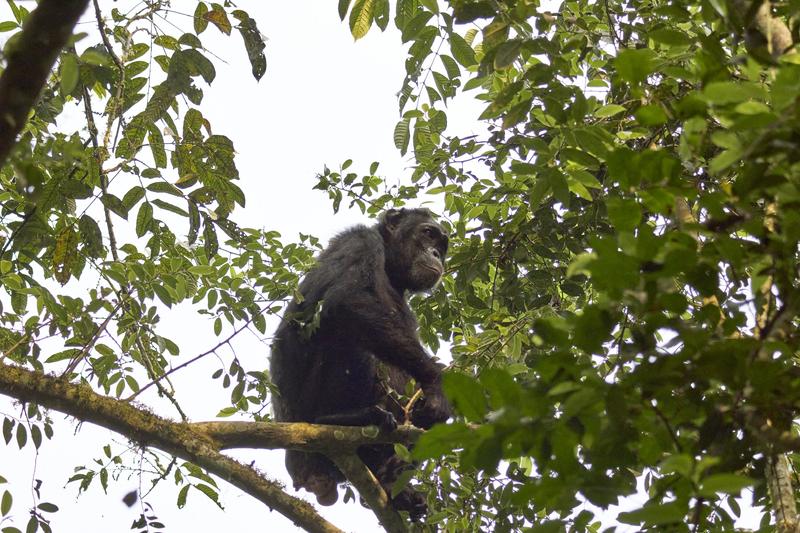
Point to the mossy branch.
(178, 439)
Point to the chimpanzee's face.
(431, 248)
(416, 251)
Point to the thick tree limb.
(370, 489)
(44, 34)
(774, 31)
(300, 436)
(178, 439)
(337, 442)
(779, 470)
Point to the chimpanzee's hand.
(433, 408)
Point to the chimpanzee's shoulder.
(354, 244)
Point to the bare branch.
(44, 34)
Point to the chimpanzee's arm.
(386, 330)
(363, 416)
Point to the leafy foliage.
(623, 288)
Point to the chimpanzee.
(352, 338)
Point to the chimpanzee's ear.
(392, 218)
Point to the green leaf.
(729, 92)
(132, 197)
(401, 135)
(22, 436)
(210, 243)
(670, 37)
(194, 222)
(5, 503)
(182, 495)
(91, 236)
(75, 189)
(253, 43)
(414, 27)
(361, 18)
(343, 6)
(726, 483)
(466, 395)
(36, 436)
(197, 63)
(163, 294)
(625, 214)
(156, 141)
(442, 439)
(95, 56)
(203, 270)
(609, 110)
(724, 160)
(635, 65)
(8, 427)
(462, 52)
(143, 219)
(48, 507)
(381, 14)
(468, 11)
(592, 329)
(164, 187)
(69, 73)
(8, 26)
(654, 515)
(495, 33)
(507, 53)
(200, 21)
(167, 41)
(169, 207)
(65, 255)
(651, 115)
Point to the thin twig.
(88, 346)
(194, 359)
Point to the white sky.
(322, 100)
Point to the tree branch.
(370, 489)
(301, 436)
(44, 34)
(775, 32)
(178, 439)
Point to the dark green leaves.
(624, 214)
(253, 43)
(144, 218)
(727, 483)
(199, 19)
(91, 236)
(634, 66)
(655, 515)
(210, 243)
(466, 395)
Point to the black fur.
(337, 367)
